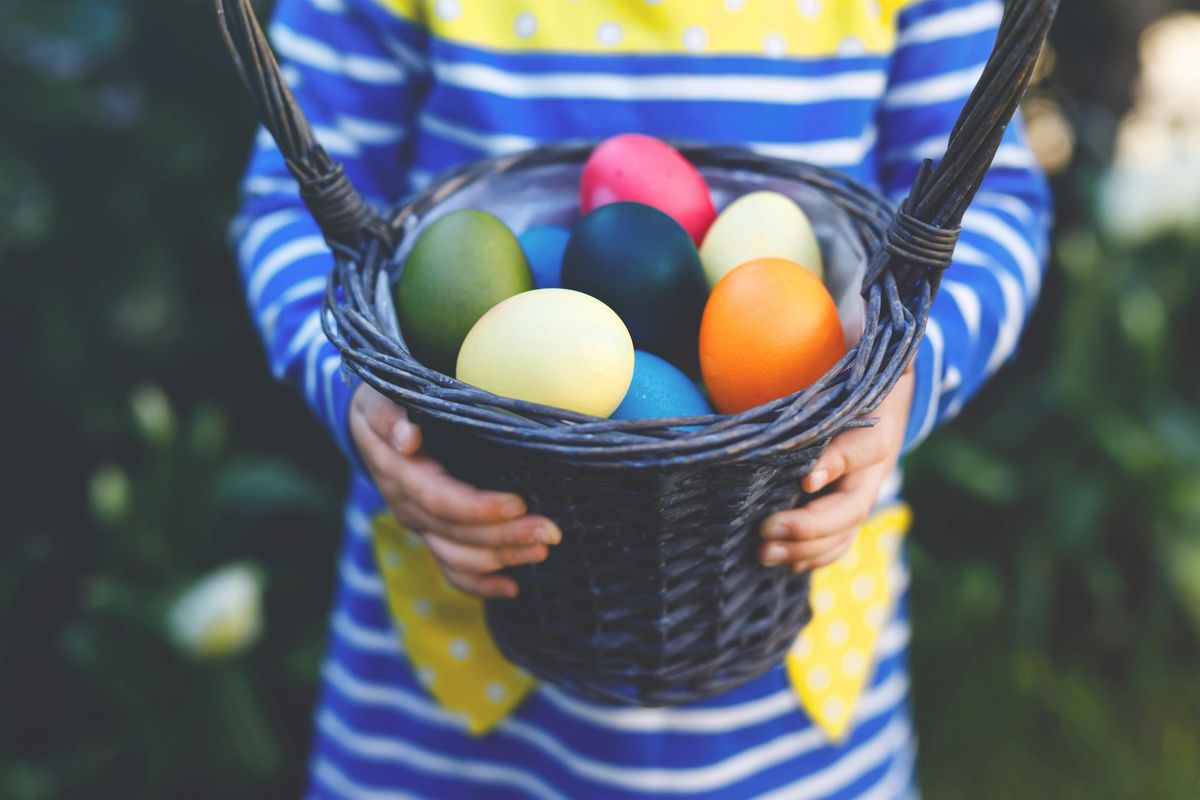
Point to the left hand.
(856, 464)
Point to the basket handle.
(344, 216)
(925, 229)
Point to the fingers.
(827, 515)
(522, 532)
(486, 586)
(807, 554)
(421, 482)
(387, 420)
(850, 451)
(466, 559)
(831, 555)
(424, 482)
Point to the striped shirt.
(399, 90)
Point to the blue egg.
(659, 389)
(544, 246)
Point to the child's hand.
(859, 460)
(471, 532)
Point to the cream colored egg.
(760, 225)
(557, 347)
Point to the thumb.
(388, 421)
(849, 452)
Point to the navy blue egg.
(660, 390)
(643, 265)
(544, 246)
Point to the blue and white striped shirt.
(399, 90)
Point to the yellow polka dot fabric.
(851, 599)
(444, 633)
(448, 642)
(797, 28)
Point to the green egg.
(460, 267)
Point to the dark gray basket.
(655, 595)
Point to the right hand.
(471, 532)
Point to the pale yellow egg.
(760, 225)
(557, 347)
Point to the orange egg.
(770, 328)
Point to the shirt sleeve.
(990, 288)
(357, 70)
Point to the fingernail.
(512, 507)
(816, 481)
(548, 534)
(800, 566)
(774, 554)
(510, 591)
(401, 434)
(775, 529)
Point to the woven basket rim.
(782, 421)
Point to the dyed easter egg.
(760, 225)
(643, 265)
(551, 346)
(544, 246)
(460, 266)
(642, 169)
(660, 390)
(770, 329)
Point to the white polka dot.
(695, 39)
(822, 601)
(735, 5)
(496, 692)
(887, 542)
(854, 663)
(608, 34)
(426, 675)
(653, 2)
(809, 8)
(412, 539)
(818, 679)
(863, 587)
(839, 632)
(460, 649)
(802, 647)
(422, 607)
(833, 708)
(876, 615)
(448, 9)
(392, 559)
(525, 25)
(774, 45)
(874, 9)
(851, 46)
(850, 559)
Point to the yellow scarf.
(448, 643)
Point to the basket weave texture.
(655, 596)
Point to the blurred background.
(173, 516)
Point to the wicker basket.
(656, 595)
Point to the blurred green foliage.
(1056, 556)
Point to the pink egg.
(642, 169)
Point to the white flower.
(1153, 186)
(219, 616)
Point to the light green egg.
(760, 225)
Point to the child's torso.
(802, 79)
